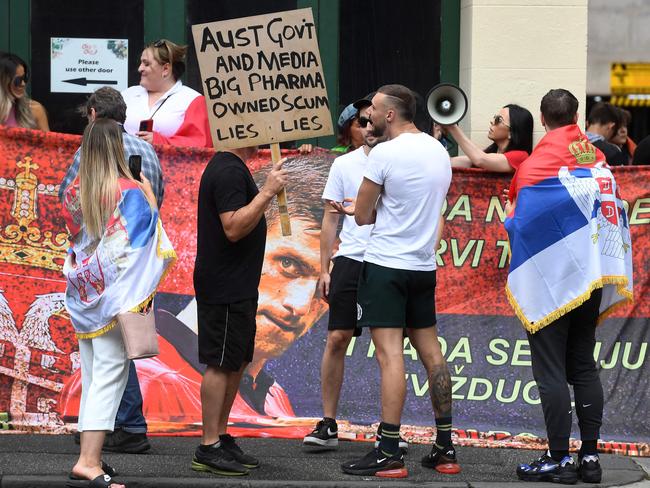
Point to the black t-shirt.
(642, 152)
(224, 271)
(613, 154)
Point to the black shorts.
(391, 297)
(342, 298)
(227, 333)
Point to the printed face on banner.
(287, 303)
(263, 79)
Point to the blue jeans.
(129, 415)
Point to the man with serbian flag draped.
(570, 264)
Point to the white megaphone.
(447, 104)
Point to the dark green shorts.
(389, 297)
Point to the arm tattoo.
(440, 390)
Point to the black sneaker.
(547, 469)
(122, 441)
(589, 469)
(442, 460)
(231, 447)
(403, 444)
(376, 463)
(217, 460)
(324, 435)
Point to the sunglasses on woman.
(161, 43)
(19, 80)
(498, 119)
(364, 121)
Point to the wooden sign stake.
(285, 223)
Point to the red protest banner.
(483, 342)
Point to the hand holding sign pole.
(285, 223)
(263, 83)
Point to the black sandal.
(98, 482)
(101, 481)
(106, 468)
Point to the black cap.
(365, 101)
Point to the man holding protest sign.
(404, 188)
(264, 82)
(230, 252)
(267, 88)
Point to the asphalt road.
(36, 461)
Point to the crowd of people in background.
(161, 110)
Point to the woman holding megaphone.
(511, 133)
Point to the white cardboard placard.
(262, 78)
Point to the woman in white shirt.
(161, 110)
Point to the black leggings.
(561, 353)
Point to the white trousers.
(104, 373)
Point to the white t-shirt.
(415, 172)
(346, 175)
(168, 118)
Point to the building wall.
(514, 51)
(618, 32)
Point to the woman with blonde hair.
(161, 110)
(16, 108)
(118, 255)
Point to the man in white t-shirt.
(403, 190)
(339, 288)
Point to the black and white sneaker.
(324, 435)
(403, 444)
(547, 469)
(589, 469)
(217, 460)
(231, 447)
(376, 463)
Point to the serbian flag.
(119, 272)
(569, 232)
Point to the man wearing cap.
(350, 136)
(339, 288)
(404, 187)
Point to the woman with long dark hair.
(511, 133)
(16, 108)
(620, 138)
